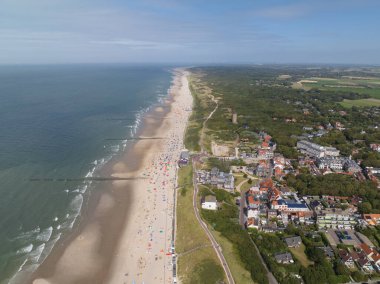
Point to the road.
(214, 243)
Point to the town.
(310, 199)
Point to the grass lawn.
(360, 103)
(197, 260)
(239, 273)
(370, 87)
(299, 253)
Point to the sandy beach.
(126, 236)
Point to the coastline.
(103, 249)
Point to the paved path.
(215, 245)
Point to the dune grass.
(197, 260)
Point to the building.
(217, 178)
(328, 251)
(338, 164)
(234, 118)
(315, 150)
(293, 242)
(346, 258)
(351, 166)
(335, 218)
(331, 162)
(289, 205)
(375, 147)
(284, 258)
(372, 219)
(253, 223)
(210, 203)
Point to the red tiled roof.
(366, 249)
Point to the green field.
(361, 85)
(360, 103)
(197, 260)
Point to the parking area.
(346, 237)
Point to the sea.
(60, 124)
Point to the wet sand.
(125, 234)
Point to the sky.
(189, 31)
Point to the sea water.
(56, 123)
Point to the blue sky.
(189, 31)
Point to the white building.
(210, 203)
(333, 163)
(335, 218)
(315, 150)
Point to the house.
(285, 191)
(375, 147)
(351, 166)
(284, 258)
(263, 169)
(372, 219)
(253, 223)
(328, 251)
(371, 254)
(346, 258)
(210, 203)
(365, 265)
(222, 180)
(316, 205)
(339, 126)
(293, 242)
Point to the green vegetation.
(269, 245)
(264, 103)
(299, 253)
(362, 85)
(239, 273)
(197, 260)
(340, 185)
(372, 233)
(360, 103)
(223, 165)
(201, 109)
(309, 261)
(225, 221)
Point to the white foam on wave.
(28, 235)
(26, 249)
(45, 235)
(35, 255)
(75, 207)
(76, 204)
